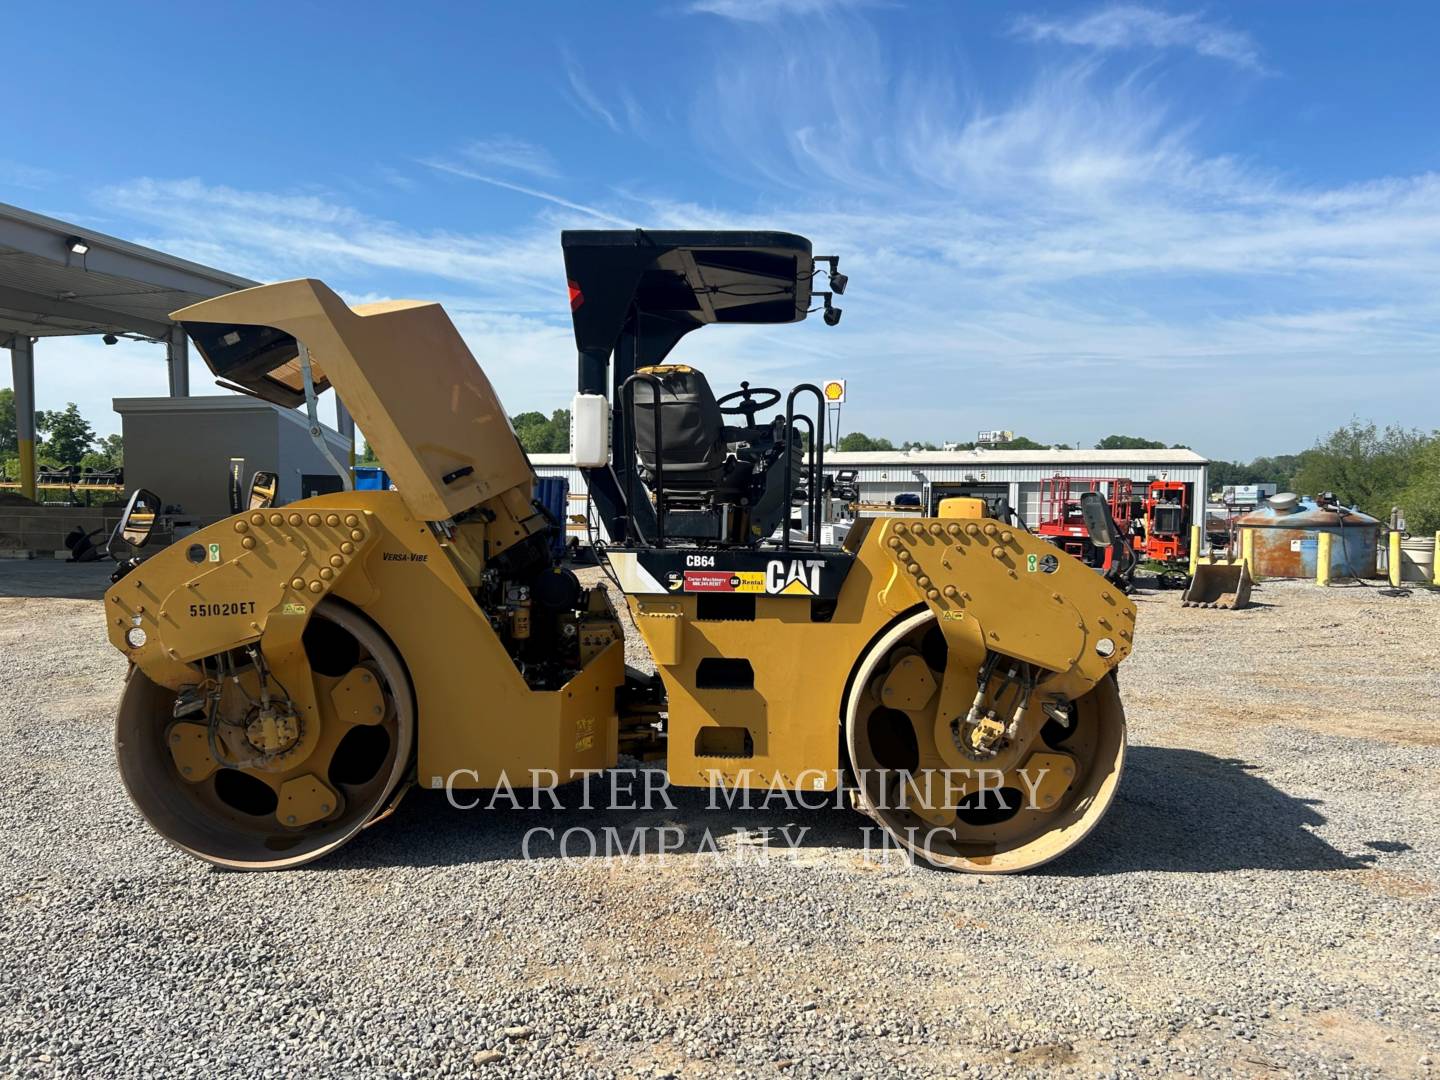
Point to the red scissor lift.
(1062, 524)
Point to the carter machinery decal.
(744, 581)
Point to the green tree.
(9, 436)
(858, 441)
(560, 431)
(1364, 466)
(539, 435)
(1278, 470)
(532, 429)
(1421, 495)
(109, 453)
(1129, 442)
(68, 435)
(367, 454)
(1020, 442)
(1225, 474)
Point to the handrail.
(817, 462)
(810, 507)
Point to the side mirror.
(263, 486)
(1098, 523)
(138, 520)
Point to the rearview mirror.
(1096, 513)
(138, 520)
(263, 486)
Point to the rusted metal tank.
(1285, 534)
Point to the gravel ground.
(1262, 899)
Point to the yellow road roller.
(296, 668)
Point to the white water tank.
(590, 431)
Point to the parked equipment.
(85, 546)
(295, 668)
(1062, 520)
(1221, 585)
(1163, 532)
(1061, 517)
(847, 486)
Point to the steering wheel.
(748, 401)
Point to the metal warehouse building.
(1014, 475)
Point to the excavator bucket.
(1223, 585)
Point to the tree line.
(859, 441)
(537, 433)
(1368, 467)
(1365, 466)
(63, 437)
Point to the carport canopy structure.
(58, 279)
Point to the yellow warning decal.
(584, 733)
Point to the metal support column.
(345, 425)
(22, 367)
(178, 348)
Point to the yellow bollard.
(1395, 557)
(1436, 565)
(1247, 550)
(1322, 559)
(1194, 548)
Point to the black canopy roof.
(672, 282)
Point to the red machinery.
(1163, 534)
(1062, 523)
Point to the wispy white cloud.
(1041, 260)
(394, 178)
(636, 118)
(504, 290)
(508, 152)
(534, 193)
(31, 177)
(1130, 26)
(760, 11)
(625, 116)
(584, 98)
(269, 236)
(1059, 244)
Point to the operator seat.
(693, 444)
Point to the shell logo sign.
(834, 391)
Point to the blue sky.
(1218, 226)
